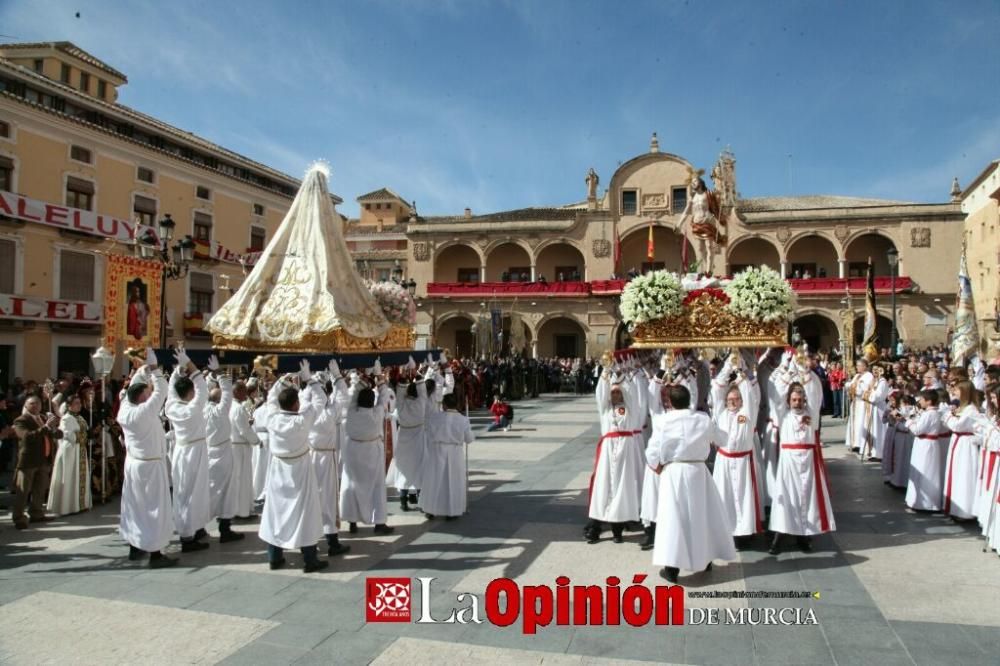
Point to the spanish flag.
(650, 247)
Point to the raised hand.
(304, 373)
(151, 358)
(213, 363)
(181, 357)
(334, 368)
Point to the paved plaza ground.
(894, 588)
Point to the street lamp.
(175, 261)
(397, 273)
(893, 256)
(411, 286)
(104, 362)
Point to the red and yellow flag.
(650, 246)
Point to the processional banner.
(133, 293)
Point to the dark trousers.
(838, 404)
(32, 483)
(274, 553)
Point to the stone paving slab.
(894, 588)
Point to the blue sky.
(497, 105)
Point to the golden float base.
(337, 341)
(705, 322)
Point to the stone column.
(532, 272)
(842, 268)
(784, 268)
(482, 273)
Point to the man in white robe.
(324, 440)
(244, 439)
(189, 463)
(261, 452)
(146, 521)
(221, 487)
(292, 517)
(410, 444)
(615, 492)
(866, 393)
(362, 483)
(801, 502)
(736, 473)
(448, 432)
(692, 527)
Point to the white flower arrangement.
(396, 303)
(760, 294)
(652, 296)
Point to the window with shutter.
(80, 154)
(202, 227)
(8, 260)
(79, 193)
(6, 174)
(201, 292)
(76, 276)
(145, 210)
(257, 239)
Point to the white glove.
(411, 364)
(430, 359)
(665, 362)
(304, 373)
(213, 363)
(151, 357)
(289, 379)
(377, 368)
(181, 358)
(334, 368)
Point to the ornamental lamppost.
(893, 256)
(176, 261)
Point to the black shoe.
(353, 528)
(618, 538)
(383, 529)
(277, 564)
(162, 562)
(404, 503)
(312, 567)
(775, 545)
(135, 554)
(742, 542)
(337, 549)
(429, 516)
(20, 524)
(805, 544)
(708, 568)
(451, 517)
(670, 574)
(200, 534)
(230, 535)
(193, 546)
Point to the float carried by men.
(689, 390)
(306, 449)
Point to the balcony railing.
(576, 289)
(804, 287)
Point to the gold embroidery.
(705, 322)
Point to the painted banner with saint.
(965, 341)
(870, 341)
(133, 289)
